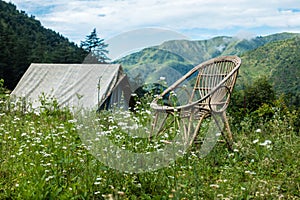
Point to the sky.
(176, 19)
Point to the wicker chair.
(202, 92)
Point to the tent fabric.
(74, 85)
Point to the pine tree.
(96, 48)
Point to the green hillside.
(150, 64)
(23, 40)
(275, 56)
(279, 61)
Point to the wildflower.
(265, 143)
(97, 183)
(48, 178)
(23, 134)
(258, 130)
(148, 112)
(249, 172)
(121, 193)
(255, 141)
(218, 134)
(72, 121)
(214, 186)
(162, 78)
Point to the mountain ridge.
(261, 56)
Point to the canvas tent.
(75, 85)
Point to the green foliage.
(257, 101)
(252, 96)
(259, 93)
(23, 40)
(4, 93)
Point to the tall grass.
(43, 157)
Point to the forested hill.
(23, 40)
(276, 57)
(182, 55)
(280, 62)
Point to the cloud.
(77, 18)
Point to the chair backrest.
(217, 74)
(207, 84)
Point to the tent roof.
(71, 84)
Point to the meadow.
(43, 157)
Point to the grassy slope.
(42, 157)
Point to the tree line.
(23, 40)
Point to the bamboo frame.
(210, 95)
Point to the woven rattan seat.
(203, 92)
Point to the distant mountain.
(199, 51)
(275, 56)
(24, 40)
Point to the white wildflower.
(23, 134)
(258, 130)
(214, 186)
(255, 141)
(218, 134)
(48, 178)
(249, 172)
(265, 143)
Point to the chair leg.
(197, 129)
(227, 138)
(227, 127)
(161, 127)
